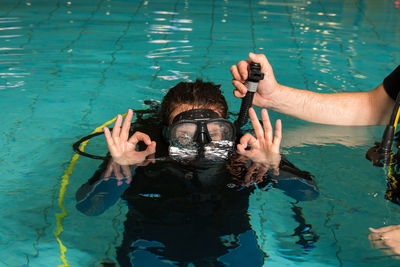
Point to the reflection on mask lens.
(218, 150)
(182, 134)
(214, 151)
(219, 131)
(182, 153)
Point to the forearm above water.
(349, 108)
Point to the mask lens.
(220, 130)
(186, 141)
(183, 134)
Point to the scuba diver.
(186, 174)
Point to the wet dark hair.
(200, 94)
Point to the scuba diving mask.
(200, 134)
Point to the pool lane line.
(101, 82)
(252, 24)
(35, 98)
(12, 9)
(38, 24)
(207, 55)
(84, 27)
(384, 44)
(63, 188)
(299, 50)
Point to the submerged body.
(187, 210)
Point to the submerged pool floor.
(68, 67)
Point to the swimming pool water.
(66, 67)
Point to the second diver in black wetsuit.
(192, 206)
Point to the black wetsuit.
(190, 215)
(392, 86)
(392, 83)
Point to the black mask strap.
(196, 114)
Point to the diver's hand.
(264, 148)
(121, 148)
(387, 239)
(266, 88)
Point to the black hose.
(243, 117)
(255, 75)
(77, 144)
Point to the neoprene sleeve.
(392, 83)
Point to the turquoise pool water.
(66, 67)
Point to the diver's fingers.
(244, 140)
(126, 125)
(109, 170)
(241, 148)
(139, 136)
(278, 133)
(107, 174)
(117, 127)
(110, 141)
(149, 159)
(126, 170)
(248, 139)
(152, 158)
(275, 167)
(240, 90)
(267, 126)
(258, 130)
(117, 172)
(108, 137)
(151, 149)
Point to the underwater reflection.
(194, 212)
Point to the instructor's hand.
(266, 88)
